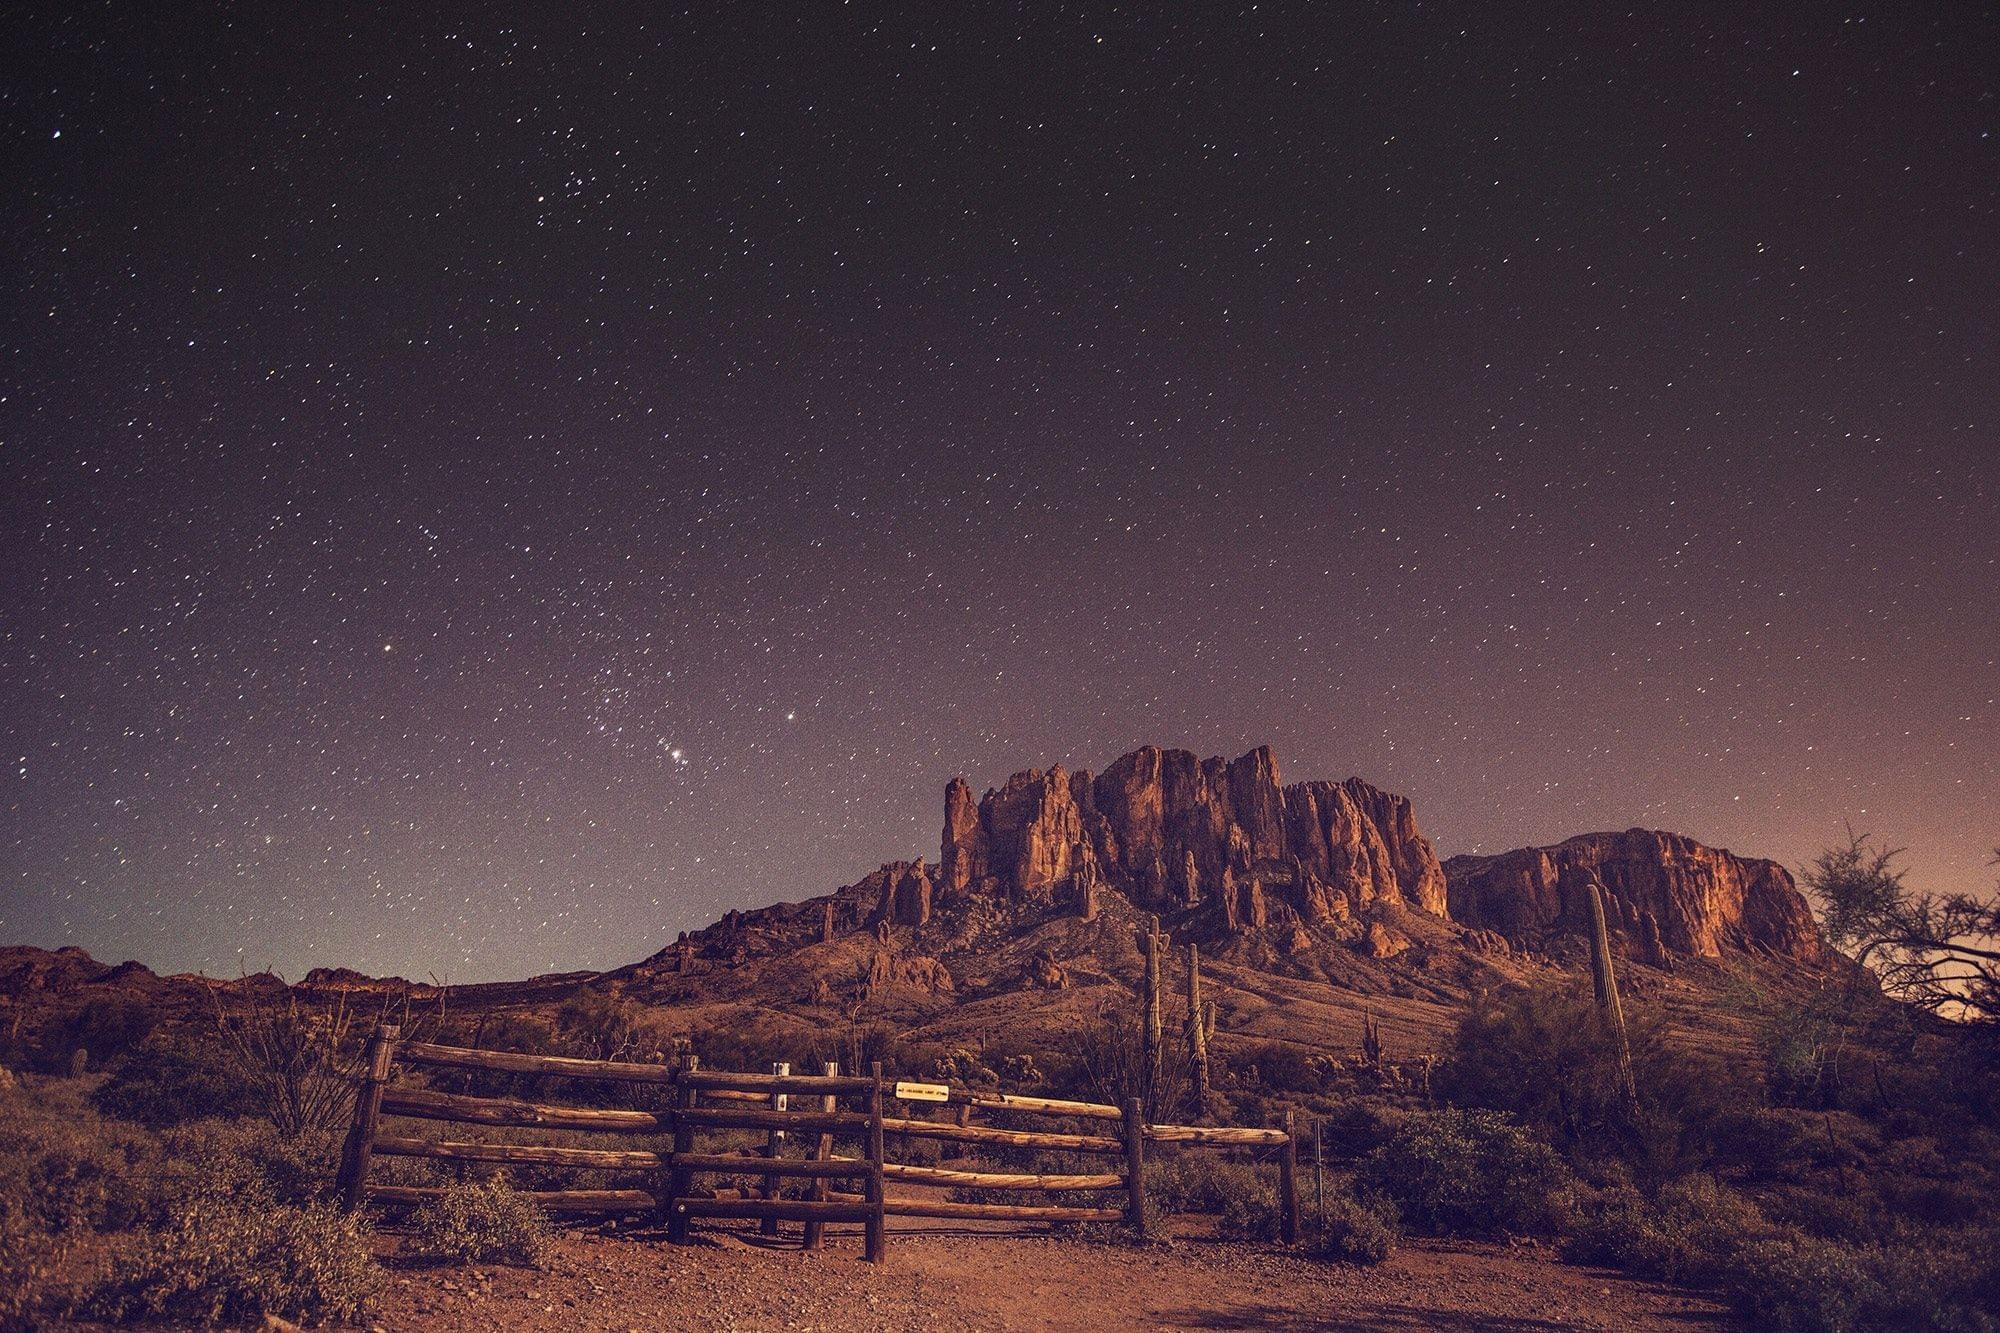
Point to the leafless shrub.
(1112, 1058)
(301, 1060)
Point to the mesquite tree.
(1938, 951)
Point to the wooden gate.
(787, 1109)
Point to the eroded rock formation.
(1172, 831)
(1664, 894)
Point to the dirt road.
(941, 1279)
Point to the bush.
(1809, 1285)
(65, 1175)
(1694, 1231)
(1200, 1182)
(28, 1258)
(92, 1036)
(1470, 1173)
(1351, 1233)
(221, 1262)
(166, 1083)
(248, 1160)
(1548, 1058)
(480, 1221)
(1252, 1212)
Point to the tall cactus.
(1151, 944)
(1197, 1030)
(1606, 982)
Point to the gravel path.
(945, 1279)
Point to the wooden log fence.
(784, 1109)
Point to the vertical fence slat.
(1288, 1180)
(815, 1229)
(874, 1234)
(367, 1115)
(678, 1178)
(1135, 1165)
(774, 1146)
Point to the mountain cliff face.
(1663, 893)
(1316, 908)
(1174, 833)
(1229, 856)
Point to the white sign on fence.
(923, 1092)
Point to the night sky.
(483, 495)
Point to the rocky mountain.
(1310, 904)
(1173, 833)
(1665, 896)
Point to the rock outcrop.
(1664, 895)
(1172, 832)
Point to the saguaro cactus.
(1606, 982)
(1371, 1039)
(1197, 1030)
(1151, 945)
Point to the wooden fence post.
(874, 1238)
(1135, 1165)
(367, 1115)
(1288, 1181)
(816, 1229)
(679, 1177)
(1319, 1174)
(774, 1146)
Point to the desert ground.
(947, 1276)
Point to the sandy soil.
(941, 1277)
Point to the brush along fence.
(785, 1109)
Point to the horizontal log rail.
(719, 1117)
(424, 1104)
(782, 1210)
(550, 1201)
(731, 1095)
(1007, 1101)
(999, 1212)
(1004, 1138)
(834, 1168)
(513, 1062)
(997, 1180)
(583, 1158)
(817, 1084)
(1216, 1136)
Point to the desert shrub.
(170, 1082)
(63, 1175)
(1547, 1057)
(1108, 1061)
(248, 1160)
(1350, 1232)
(1277, 1066)
(301, 1061)
(222, 1262)
(28, 1262)
(480, 1221)
(1201, 1182)
(601, 1026)
(1795, 1282)
(98, 1031)
(1459, 1172)
(1693, 1231)
(1251, 1213)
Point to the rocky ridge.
(1310, 904)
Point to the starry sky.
(485, 493)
